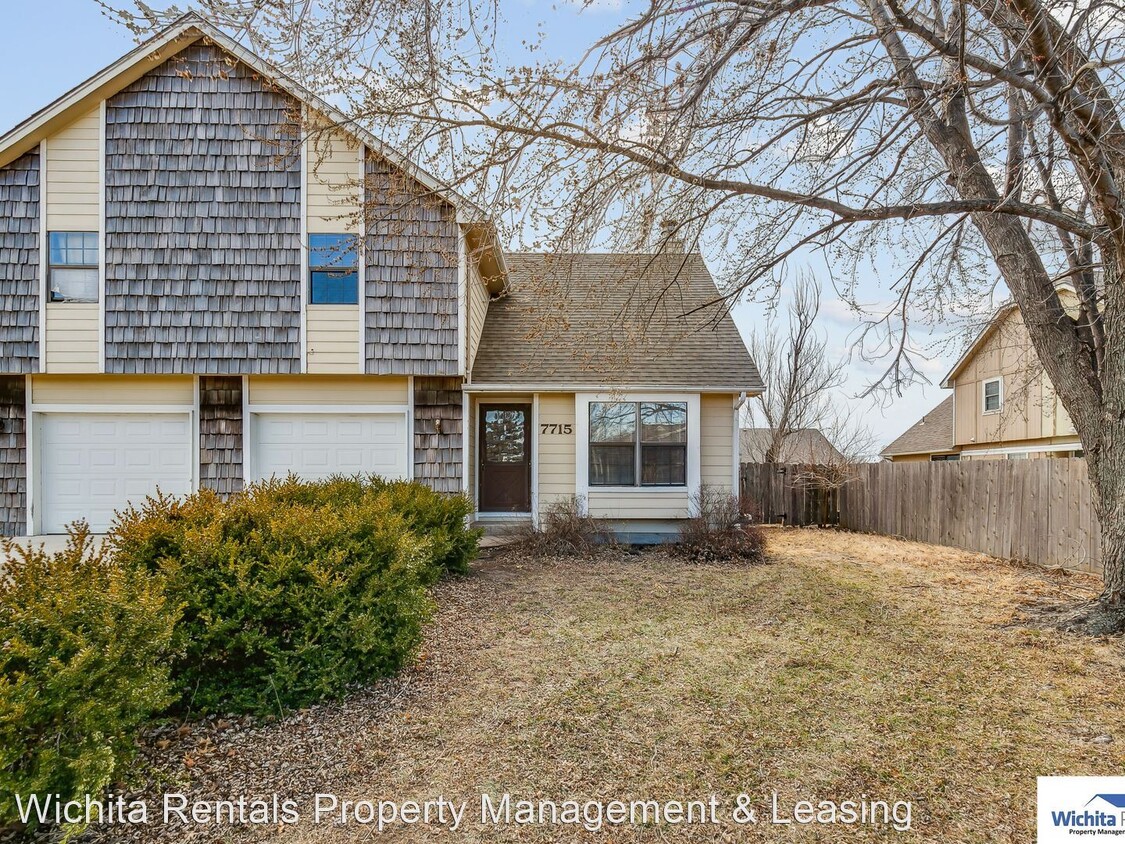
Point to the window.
(638, 440)
(333, 277)
(992, 396)
(939, 458)
(72, 269)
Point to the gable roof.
(184, 31)
(1063, 288)
(612, 319)
(932, 433)
(994, 322)
(807, 445)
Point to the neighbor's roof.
(181, 33)
(932, 433)
(808, 445)
(620, 320)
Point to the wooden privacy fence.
(1040, 511)
(774, 493)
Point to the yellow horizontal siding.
(70, 337)
(641, 504)
(332, 174)
(556, 451)
(327, 389)
(73, 178)
(716, 441)
(333, 339)
(477, 297)
(113, 389)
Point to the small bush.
(718, 532)
(293, 591)
(565, 531)
(84, 651)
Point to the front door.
(505, 458)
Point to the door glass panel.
(504, 435)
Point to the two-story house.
(209, 277)
(1001, 405)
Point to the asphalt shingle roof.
(805, 446)
(933, 432)
(614, 320)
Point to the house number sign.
(555, 428)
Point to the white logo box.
(1070, 809)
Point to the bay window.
(638, 443)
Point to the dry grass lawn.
(847, 665)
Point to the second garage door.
(316, 445)
(93, 464)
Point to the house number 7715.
(555, 428)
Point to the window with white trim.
(638, 443)
(993, 399)
(72, 266)
(333, 270)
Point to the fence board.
(1041, 511)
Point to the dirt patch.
(848, 665)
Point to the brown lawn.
(846, 666)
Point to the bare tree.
(963, 140)
(798, 375)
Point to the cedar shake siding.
(203, 200)
(411, 277)
(437, 455)
(19, 265)
(220, 433)
(13, 455)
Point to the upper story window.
(72, 270)
(333, 273)
(993, 398)
(645, 441)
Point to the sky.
(49, 46)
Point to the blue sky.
(49, 46)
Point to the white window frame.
(582, 403)
(999, 395)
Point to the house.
(930, 438)
(807, 445)
(1001, 405)
(209, 278)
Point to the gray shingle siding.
(220, 433)
(437, 455)
(411, 276)
(13, 455)
(203, 200)
(19, 265)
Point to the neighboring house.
(1002, 404)
(807, 445)
(207, 281)
(930, 438)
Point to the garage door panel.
(92, 465)
(314, 446)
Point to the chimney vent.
(670, 238)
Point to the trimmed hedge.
(84, 651)
(292, 591)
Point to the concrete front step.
(502, 526)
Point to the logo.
(1090, 807)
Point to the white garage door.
(316, 445)
(92, 464)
